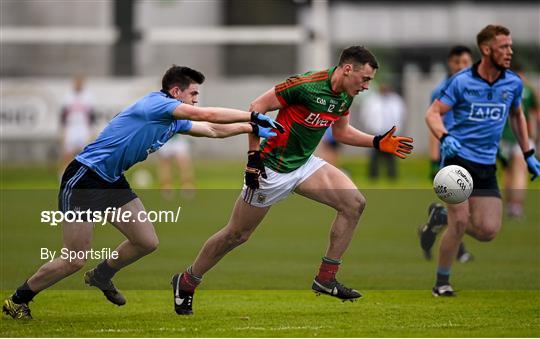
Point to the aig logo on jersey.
(487, 112)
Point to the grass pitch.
(261, 289)
(284, 313)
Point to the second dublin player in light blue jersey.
(95, 179)
(481, 97)
(459, 58)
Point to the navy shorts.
(484, 178)
(83, 189)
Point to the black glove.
(254, 169)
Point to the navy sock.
(104, 271)
(443, 277)
(23, 294)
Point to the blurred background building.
(243, 47)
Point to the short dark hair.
(459, 50)
(181, 76)
(359, 55)
(489, 32)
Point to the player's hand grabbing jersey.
(309, 108)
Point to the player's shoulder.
(459, 79)
(155, 95)
(464, 74)
(300, 80)
(314, 75)
(440, 85)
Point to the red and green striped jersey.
(309, 108)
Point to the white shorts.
(278, 186)
(176, 146)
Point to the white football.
(453, 184)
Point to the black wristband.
(376, 141)
(254, 156)
(255, 128)
(441, 139)
(529, 153)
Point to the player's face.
(458, 62)
(357, 78)
(188, 96)
(500, 51)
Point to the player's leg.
(391, 163)
(185, 164)
(165, 176)
(140, 233)
(165, 172)
(480, 217)
(516, 186)
(187, 174)
(141, 240)
(331, 187)
(186, 171)
(244, 220)
(458, 221)
(438, 219)
(373, 172)
(76, 237)
(486, 217)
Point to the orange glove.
(396, 145)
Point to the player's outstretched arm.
(212, 130)
(221, 115)
(388, 142)
(344, 133)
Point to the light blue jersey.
(132, 135)
(448, 117)
(480, 111)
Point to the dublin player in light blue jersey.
(481, 97)
(459, 58)
(95, 179)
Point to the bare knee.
(485, 234)
(353, 207)
(148, 245)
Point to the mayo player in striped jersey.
(308, 104)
